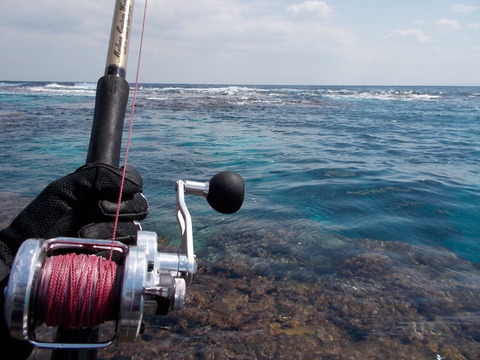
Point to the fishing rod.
(112, 91)
(149, 281)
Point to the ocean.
(328, 170)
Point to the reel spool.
(39, 294)
(22, 295)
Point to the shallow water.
(341, 181)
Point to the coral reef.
(279, 294)
(378, 300)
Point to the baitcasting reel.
(146, 280)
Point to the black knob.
(226, 192)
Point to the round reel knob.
(226, 192)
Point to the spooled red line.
(77, 291)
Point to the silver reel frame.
(148, 276)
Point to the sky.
(290, 42)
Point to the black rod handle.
(112, 91)
(110, 106)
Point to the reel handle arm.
(225, 192)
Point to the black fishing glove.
(82, 204)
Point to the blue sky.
(347, 42)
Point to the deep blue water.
(384, 163)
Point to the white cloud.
(448, 24)
(233, 41)
(415, 34)
(464, 8)
(50, 15)
(228, 25)
(309, 8)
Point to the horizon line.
(251, 84)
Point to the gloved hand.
(82, 204)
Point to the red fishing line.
(77, 291)
(130, 130)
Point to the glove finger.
(132, 175)
(135, 208)
(105, 179)
(126, 231)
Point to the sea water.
(361, 216)
(386, 163)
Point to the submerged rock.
(385, 300)
(280, 296)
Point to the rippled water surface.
(341, 181)
(386, 163)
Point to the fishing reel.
(144, 280)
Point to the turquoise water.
(359, 236)
(384, 163)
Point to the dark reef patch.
(266, 294)
(380, 300)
